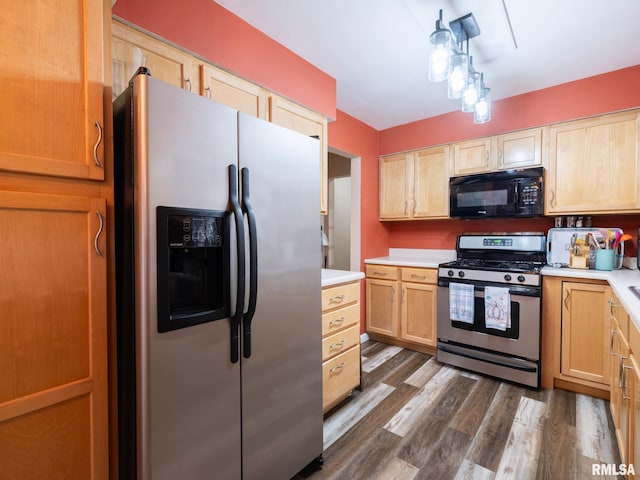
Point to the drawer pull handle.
(421, 277)
(338, 367)
(337, 346)
(336, 321)
(337, 298)
(380, 273)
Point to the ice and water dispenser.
(193, 266)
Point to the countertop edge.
(332, 277)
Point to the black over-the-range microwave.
(510, 193)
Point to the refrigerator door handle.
(253, 264)
(234, 321)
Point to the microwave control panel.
(529, 193)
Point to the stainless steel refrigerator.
(218, 290)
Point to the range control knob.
(450, 273)
(461, 274)
(521, 278)
(507, 277)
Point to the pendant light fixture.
(440, 52)
(449, 60)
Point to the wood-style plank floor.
(418, 419)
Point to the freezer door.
(188, 390)
(282, 378)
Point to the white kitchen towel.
(497, 308)
(461, 302)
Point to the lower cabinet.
(576, 335)
(625, 384)
(401, 305)
(585, 333)
(340, 342)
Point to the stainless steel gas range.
(489, 305)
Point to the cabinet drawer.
(340, 319)
(340, 375)
(420, 275)
(381, 271)
(340, 342)
(341, 295)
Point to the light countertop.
(335, 277)
(619, 280)
(411, 257)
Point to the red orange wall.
(206, 28)
(591, 96)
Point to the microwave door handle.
(516, 195)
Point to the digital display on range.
(497, 242)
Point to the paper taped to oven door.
(559, 243)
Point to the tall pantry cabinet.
(55, 203)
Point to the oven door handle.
(523, 368)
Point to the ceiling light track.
(451, 61)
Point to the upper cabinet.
(501, 152)
(414, 185)
(289, 114)
(131, 49)
(593, 165)
(233, 91)
(52, 85)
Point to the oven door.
(512, 354)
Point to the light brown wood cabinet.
(419, 301)
(52, 88)
(622, 379)
(53, 340)
(55, 191)
(415, 185)
(576, 335)
(585, 333)
(131, 49)
(501, 152)
(402, 305)
(226, 88)
(340, 342)
(594, 165)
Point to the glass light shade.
(440, 54)
(459, 69)
(471, 92)
(482, 112)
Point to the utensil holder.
(604, 259)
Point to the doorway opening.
(342, 222)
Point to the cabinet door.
(295, 117)
(593, 165)
(53, 393)
(395, 171)
(585, 332)
(52, 83)
(131, 49)
(431, 183)
(519, 149)
(473, 156)
(418, 320)
(233, 91)
(382, 307)
(633, 388)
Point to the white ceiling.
(377, 49)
